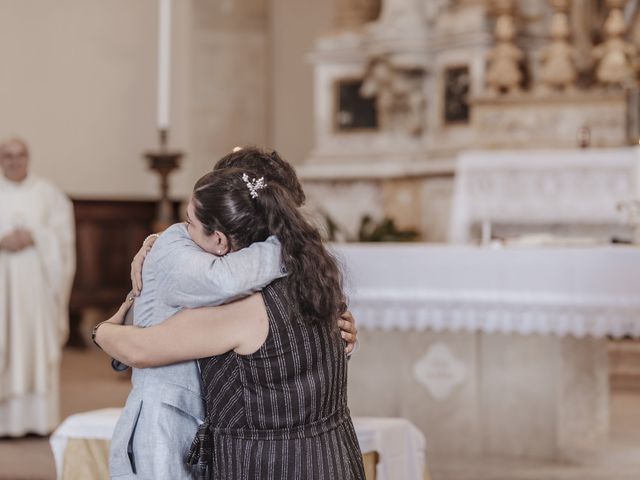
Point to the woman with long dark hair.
(273, 366)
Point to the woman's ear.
(221, 243)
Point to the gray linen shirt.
(165, 407)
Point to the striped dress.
(280, 413)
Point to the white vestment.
(35, 285)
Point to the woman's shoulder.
(169, 247)
(174, 238)
(175, 231)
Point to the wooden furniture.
(108, 235)
(370, 461)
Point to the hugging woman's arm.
(241, 326)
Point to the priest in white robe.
(37, 263)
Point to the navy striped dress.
(280, 413)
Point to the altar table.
(392, 448)
(490, 351)
(543, 190)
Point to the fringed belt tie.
(201, 450)
(200, 447)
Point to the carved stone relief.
(558, 70)
(504, 74)
(400, 100)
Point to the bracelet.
(94, 333)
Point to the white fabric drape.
(577, 291)
(541, 187)
(34, 291)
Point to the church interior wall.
(78, 85)
(228, 94)
(253, 52)
(294, 25)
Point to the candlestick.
(636, 173)
(164, 63)
(164, 161)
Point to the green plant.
(384, 231)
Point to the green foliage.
(385, 231)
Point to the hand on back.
(138, 262)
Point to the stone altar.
(373, 141)
(491, 352)
(570, 193)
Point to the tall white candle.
(636, 173)
(164, 63)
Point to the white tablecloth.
(547, 187)
(400, 445)
(96, 424)
(578, 291)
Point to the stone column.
(558, 69)
(616, 57)
(353, 14)
(503, 73)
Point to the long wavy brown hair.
(223, 202)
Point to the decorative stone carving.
(615, 56)
(446, 110)
(587, 18)
(397, 12)
(550, 121)
(504, 74)
(439, 371)
(400, 100)
(434, 8)
(558, 70)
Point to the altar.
(491, 351)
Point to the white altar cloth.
(399, 444)
(96, 424)
(541, 187)
(563, 291)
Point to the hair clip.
(254, 185)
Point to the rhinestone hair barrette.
(254, 185)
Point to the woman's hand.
(348, 330)
(138, 262)
(118, 317)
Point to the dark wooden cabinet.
(108, 235)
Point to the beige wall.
(229, 78)
(78, 82)
(293, 27)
